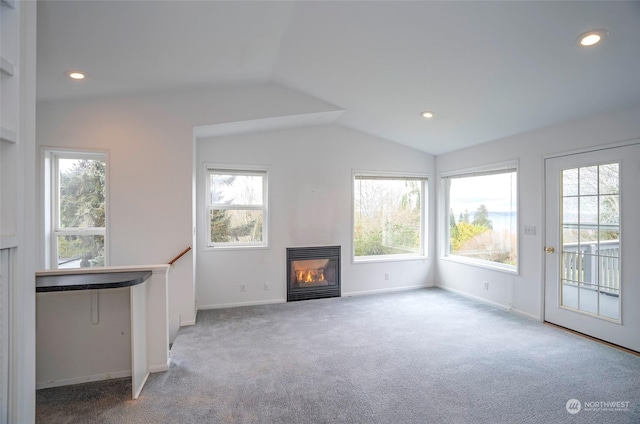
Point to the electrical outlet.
(243, 287)
(267, 286)
(387, 276)
(486, 285)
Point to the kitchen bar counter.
(90, 281)
(99, 323)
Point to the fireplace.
(313, 272)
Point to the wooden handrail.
(181, 254)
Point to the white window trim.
(51, 201)
(445, 177)
(423, 255)
(240, 169)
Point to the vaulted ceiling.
(486, 69)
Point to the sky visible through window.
(237, 207)
(488, 190)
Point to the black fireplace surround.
(313, 272)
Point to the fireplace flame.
(310, 275)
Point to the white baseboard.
(98, 377)
(160, 368)
(234, 305)
(144, 381)
(188, 322)
(494, 304)
(525, 314)
(479, 299)
(274, 301)
(83, 379)
(386, 290)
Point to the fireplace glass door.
(313, 272)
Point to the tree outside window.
(591, 203)
(79, 209)
(482, 217)
(237, 207)
(388, 216)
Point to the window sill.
(237, 247)
(509, 269)
(388, 258)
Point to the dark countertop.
(90, 280)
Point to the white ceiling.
(487, 69)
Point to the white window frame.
(52, 202)
(423, 254)
(208, 207)
(445, 178)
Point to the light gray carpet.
(421, 356)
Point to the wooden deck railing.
(593, 264)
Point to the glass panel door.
(592, 244)
(590, 271)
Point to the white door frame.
(543, 262)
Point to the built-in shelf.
(8, 135)
(6, 67)
(9, 3)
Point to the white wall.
(310, 205)
(149, 138)
(150, 141)
(523, 292)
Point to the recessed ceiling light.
(427, 114)
(592, 37)
(76, 75)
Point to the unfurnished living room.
(319, 211)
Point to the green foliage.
(453, 227)
(481, 218)
(479, 240)
(387, 216)
(464, 216)
(82, 195)
(228, 226)
(220, 222)
(220, 219)
(395, 237)
(465, 232)
(369, 242)
(232, 225)
(89, 248)
(404, 237)
(82, 205)
(246, 226)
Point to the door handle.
(549, 249)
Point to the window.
(237, 207)
(482, 217)
(389, 216)
(77, 201)
(591, 239)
